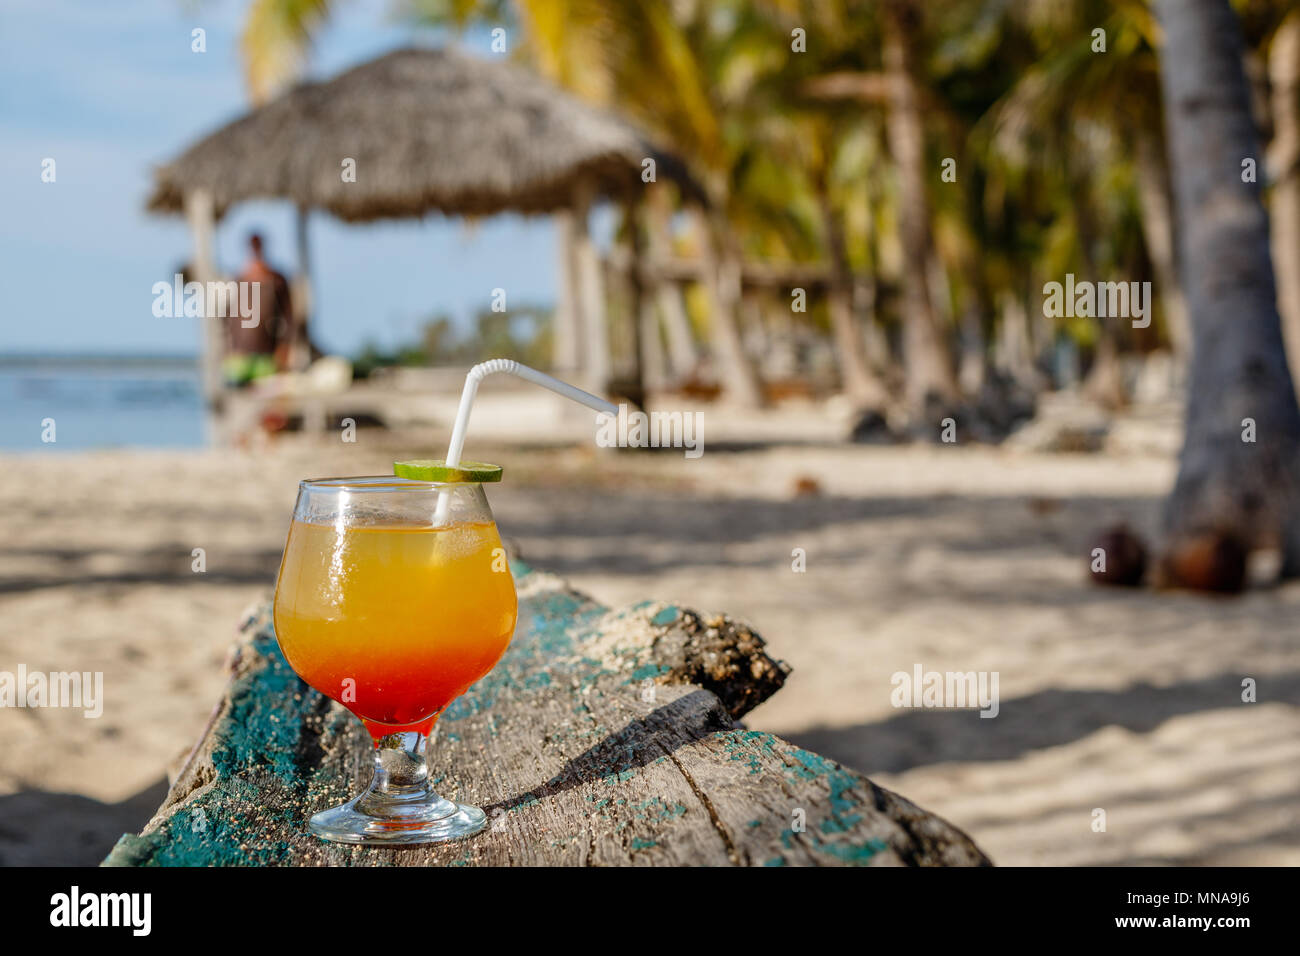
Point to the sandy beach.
(949, 557)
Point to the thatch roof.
(430, 130)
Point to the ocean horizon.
(99, 400)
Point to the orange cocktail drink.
(394, 621)
(395, 596)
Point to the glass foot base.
(372, 819)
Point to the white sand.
(954, 558)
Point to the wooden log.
(601, 738)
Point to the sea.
(88, 402)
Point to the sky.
(109, 88)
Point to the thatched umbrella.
(425, 131)
(429, 131)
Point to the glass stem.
(399, 806)
(400, 768)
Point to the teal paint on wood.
(664, 617)
(572, 765)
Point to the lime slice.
(429, 469)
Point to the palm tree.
(1073, 88)
(644, 56)
(1284, 166)
(1231, 494)
(861, 382)
(928, 360)
(277, 35)
(805, 164)
(659, 62)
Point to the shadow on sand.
(1048, 718)
(39, 828)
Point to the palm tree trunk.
(1228, 489)
(1284, 162)
(1105, 381)
(861, 383)
(736, 372)
(1158, 232)
(973, 371)
(682, 357)
(1014, 343)
(866, 287)
(926, 355)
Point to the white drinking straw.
(510, 367)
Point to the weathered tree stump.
(602, 737)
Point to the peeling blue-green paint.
(658, 810)
(647, 670)
(747, 746)
(665, 617)
(842, 812)
(272, 714)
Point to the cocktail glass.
(394, 615)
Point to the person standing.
(265, 347)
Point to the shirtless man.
(263, 349)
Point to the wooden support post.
(644, 326)
(566, 355)
(677, 326)
(724, 272)
(682, 356)
(655, 364)
(591, 296)
(201, 216)
(315, 417)
(300, 347)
